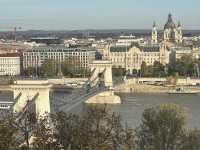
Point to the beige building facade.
(132, 57)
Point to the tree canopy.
(162, 128)
(155, 70)
(98, 128)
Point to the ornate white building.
(132, 57)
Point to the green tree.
(30, 71)
(161, 128)
(118, 72)
(43, 135)
(96, 129)
(82, 72)
(144, 71)
(183, 66)
(71, 66)
(49, 68)
(158, 69)
(191, 140)
(8, 135)
(67, 67)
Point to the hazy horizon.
(97, 15)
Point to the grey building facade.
(36, 56)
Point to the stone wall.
(142, 88)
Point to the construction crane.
(14, 31)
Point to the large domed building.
(170, 24)
(172, 33)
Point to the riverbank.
(141, 88)
(144, 88)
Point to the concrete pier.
(107, 97)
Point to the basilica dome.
(170, 24)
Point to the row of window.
(57, 53)
(4, 106)
(9, 62)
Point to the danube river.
(133, 106)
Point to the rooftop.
(59, 48)
(9, 55)
(44, 38)
(147, 48)
(170, 24)
(119, 48)
(182, 48)
(150, 48)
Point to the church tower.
(172, 33)
(179, 33)
(170, 30)
(154, 34)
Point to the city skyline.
(88, 14)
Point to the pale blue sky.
(97, 14)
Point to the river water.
(134, 104)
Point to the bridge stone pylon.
(103, 68)
(28, 90)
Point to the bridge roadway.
(78, 99)
(68, 102)
(53, 88)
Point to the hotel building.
(9, 64)
(36, 56)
